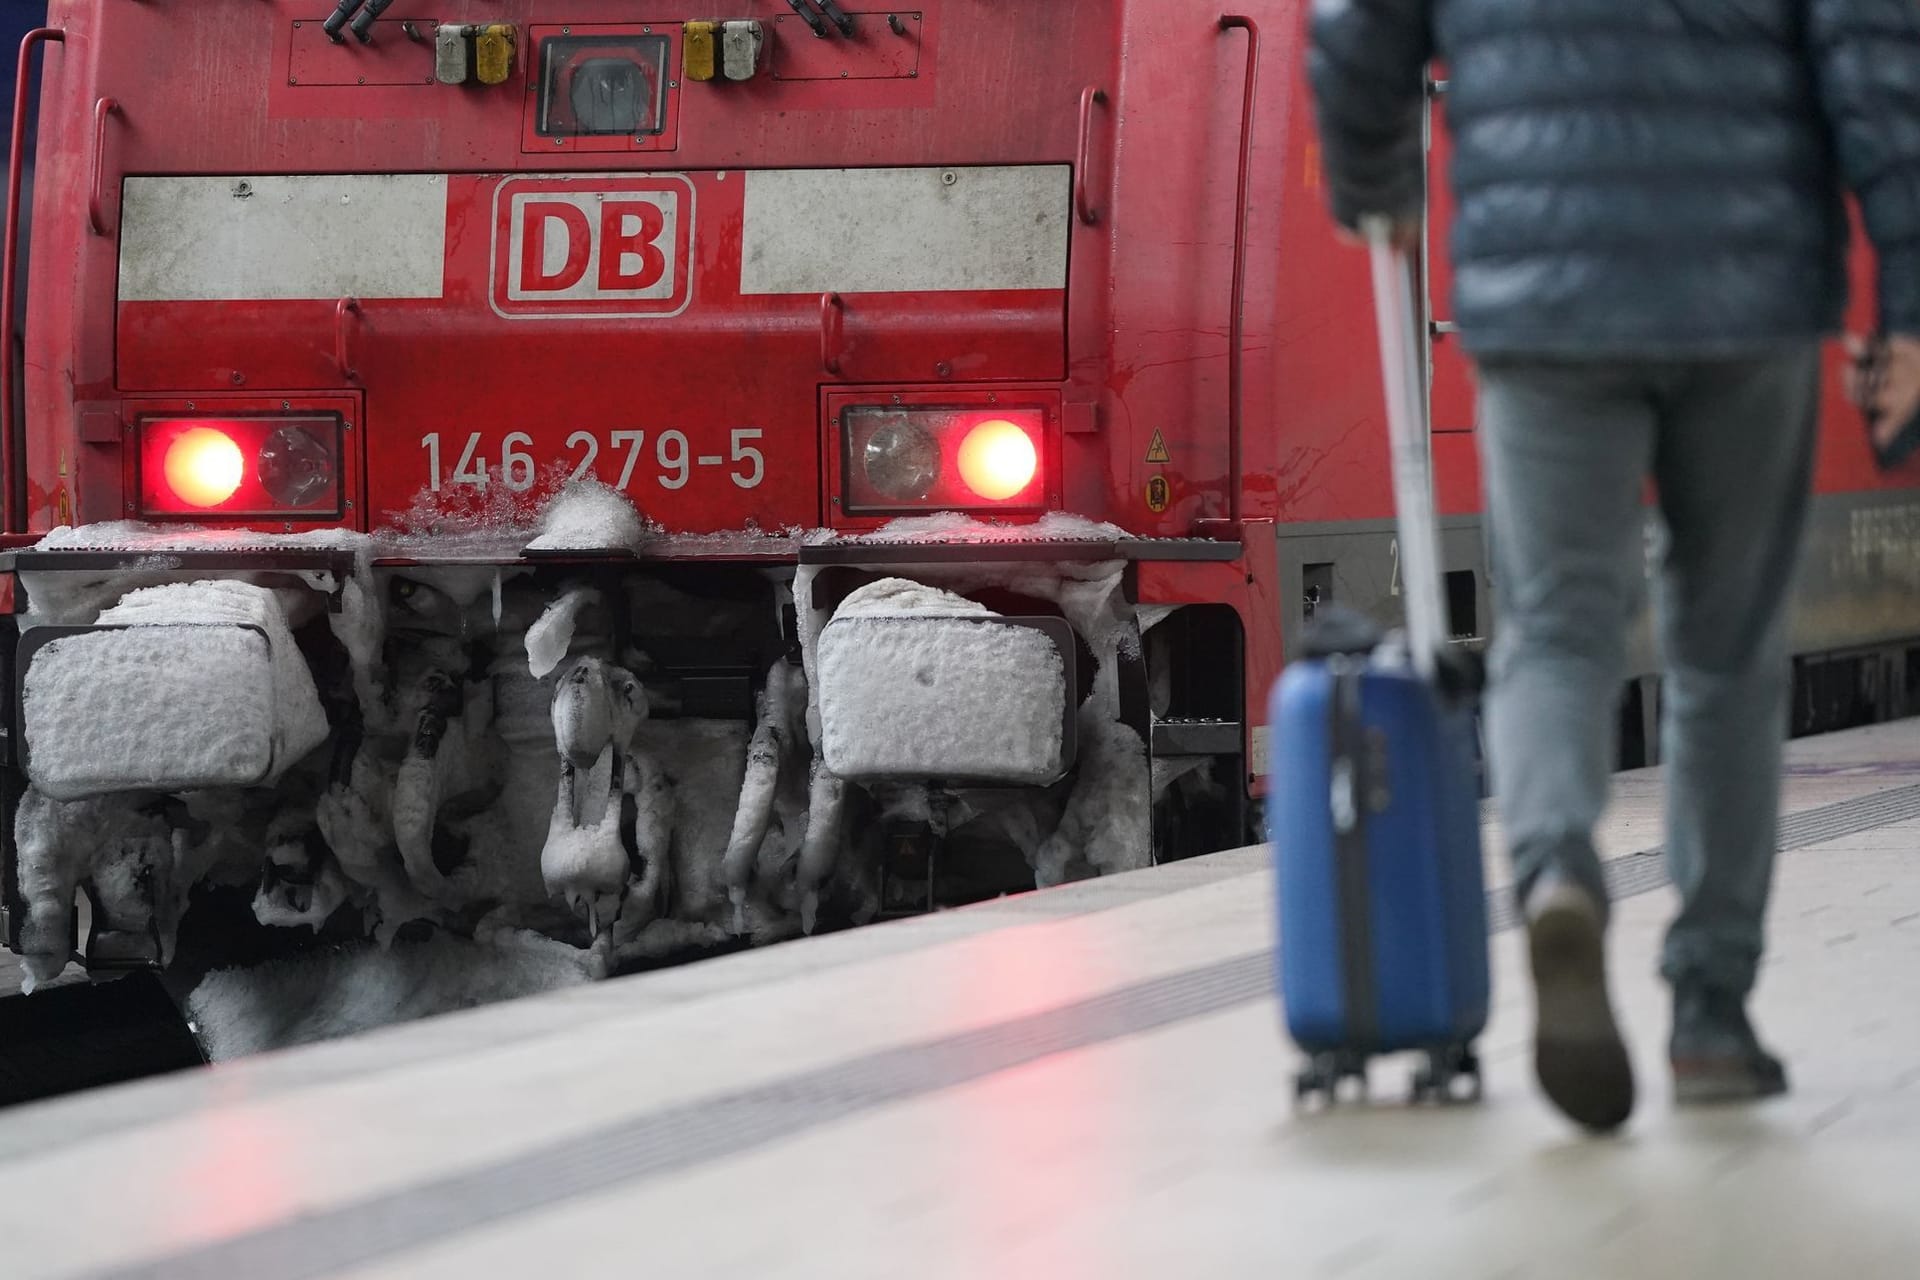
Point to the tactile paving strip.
(709, 1129)
(1636, 873)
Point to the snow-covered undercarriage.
(633, 758)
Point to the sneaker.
(1578, 1055)
(1715, 1054)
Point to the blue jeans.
(1567, 448)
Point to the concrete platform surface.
(1086, 1082)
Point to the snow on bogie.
(636, 760)
(301, 883)
(175, 687)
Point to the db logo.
(576, 248)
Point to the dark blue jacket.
(1638, 177)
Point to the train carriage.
(657, 478)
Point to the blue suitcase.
(1375, 822)
(1373, 809)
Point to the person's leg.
(1565, 449)
(1733, 464)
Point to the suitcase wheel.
(1321, 1078)
(1451, 1074)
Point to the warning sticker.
(1157, 451)
(1159, 493)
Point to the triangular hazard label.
(1157, 451)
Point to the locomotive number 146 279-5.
(617, 458)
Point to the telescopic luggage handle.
(1403, 368)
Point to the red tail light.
(998, 459)
(240, 467)
(203, 467)
(906, 459)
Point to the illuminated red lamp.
(998, 460)
(240, 467)
(899, 460)
(203, 467)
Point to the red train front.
(652, 478)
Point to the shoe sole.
(1578, 1056)
(1695, 1086)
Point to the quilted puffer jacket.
(1637, 178)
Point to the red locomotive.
(652, 477)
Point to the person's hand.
(1405, 239)
(1888, 392)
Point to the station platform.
(1090, 1081)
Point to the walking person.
(1650, 244)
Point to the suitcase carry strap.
(1403, 368)
(1352, 787)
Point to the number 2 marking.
(584, 440)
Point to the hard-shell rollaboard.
(1374, 812)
